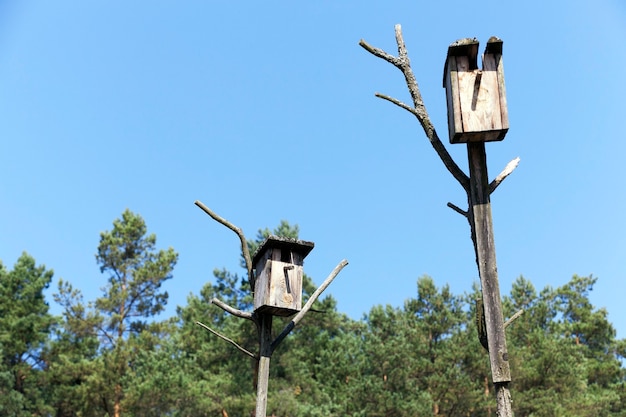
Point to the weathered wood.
(467, 47)
(482, 235)
(279, 284)
(476, 98)
(278, 265)
(235, 312)
(285, 257)
(294, 322)
(479, 104)
(494, 48)
(481, 325)
(265, 355)
(452, 90)
(503, 400)
(513, 318)
(490, 95)
(508, 169)
(403, 63)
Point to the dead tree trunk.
(478, 214)
(484, 245)
(265, 355)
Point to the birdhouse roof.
(302, 247)
(463, 47)
(469, 47)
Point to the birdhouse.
(477, 110)
(278, 275)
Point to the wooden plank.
(263, 273)
(481, 136)
(480, 105)
(469, 84)
(277, 281)
(489, 96)
(279, 284)
(475, 111)
(502, 89)
(482, 234)
(455, 125)
(476, 99)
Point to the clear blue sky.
(266, 111)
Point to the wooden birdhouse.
(278, 275)
(476, 98)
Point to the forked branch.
(403, 63)
(238, 231)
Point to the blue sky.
(266, 111)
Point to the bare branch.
(239, 232)
(508, 169)
(380, 53)
(513, 317)
(398, 103)
(458, 210)
(403, 63)
(232, 342)
(411, 82)
(232, 310)
(294, 322)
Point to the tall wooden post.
(265, 354)
(477, 113)
(484, 246)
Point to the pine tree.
(121, 319)
(25, 325)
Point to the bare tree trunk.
(482, 236)
(478, 189)
(264, 364)
(503, 400)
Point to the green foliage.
(564, 348)
(110, 357)
(101, 340)
(136, 272)
(24, 317)
(24, 328)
